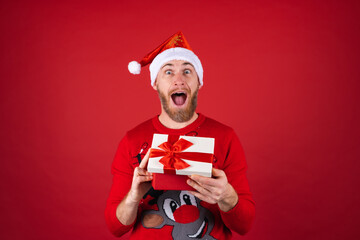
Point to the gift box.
(172, 158)
(170, 182)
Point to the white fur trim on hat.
(175, 54)
(134, 67)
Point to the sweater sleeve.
(122, 171)
(239, 218)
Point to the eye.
(187, 198)
(169, 207)
(167, 72)
(187, 71)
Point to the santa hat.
(174, 48)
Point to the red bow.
(172, 153)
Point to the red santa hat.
(174, 48)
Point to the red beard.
(181, 114)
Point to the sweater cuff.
(231, 213)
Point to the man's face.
(177, 84)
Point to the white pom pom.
(134, 67)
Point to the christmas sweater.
(178, 214)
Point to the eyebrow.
(187, 63)
(171, 65)
(168, 64)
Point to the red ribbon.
(172, 153)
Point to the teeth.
(179, 93)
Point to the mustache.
(185, 90)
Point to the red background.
(283, 74)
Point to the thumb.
(145, 159)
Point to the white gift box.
(198, 145)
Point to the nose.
(179, 80)
(186, 214)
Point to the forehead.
(177, 63)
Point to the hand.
(214, 190)
(140, 183)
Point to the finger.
(145, 159)
(146, 178)
(206, 193)
(142, 172)
(202, 197)
(217, 173)
(198, 187)
(204, 181)
(141, 175)
(197, 194)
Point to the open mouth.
(202, 230)
(179, 98)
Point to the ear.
(154, 85)
(152, 220)
(199, 83)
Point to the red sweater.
(178, 214)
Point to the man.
(217, 205)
